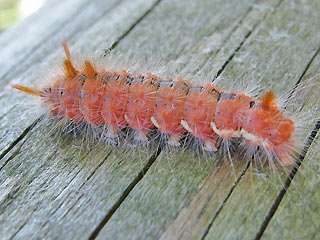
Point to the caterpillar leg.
(141, 136)
(210, 146)
(174, 140)
(209, 143)
(285, 153)
(285, 160)
(112, 132)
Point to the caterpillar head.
(264, 125)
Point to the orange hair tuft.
(68, 66)
(268, 100)
(26, 89)
(89, 69)
(69, 69)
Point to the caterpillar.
(175, 107)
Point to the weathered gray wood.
(300, 207)
(56, 191)
(62, 193)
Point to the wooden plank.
(62, 192)
(300, 206)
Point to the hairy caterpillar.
(144, 102)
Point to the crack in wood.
(302, 75)
(227, 39)
(299, 161)
(15, 142)
(19, 229)
(243, 41)
(125, 194)
(225, 200)
(289, 179)
(70, 179)
(115, 43)
(62, 203)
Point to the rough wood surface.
(62, 190)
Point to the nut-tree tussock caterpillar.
(143, 102)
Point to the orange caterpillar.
(144, 102)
